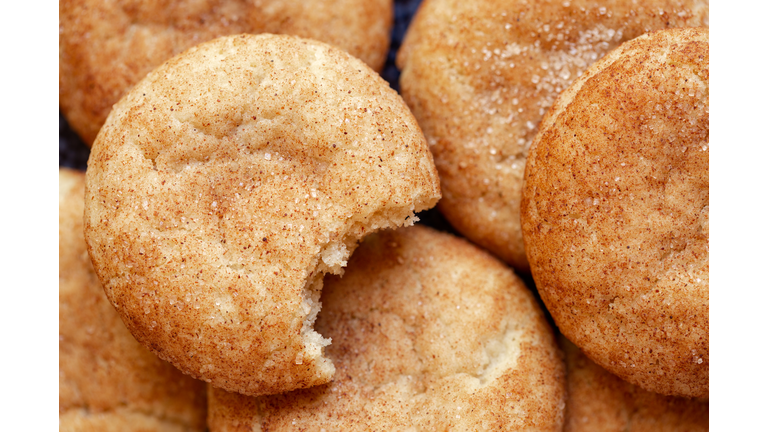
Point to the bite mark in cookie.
(224, 186)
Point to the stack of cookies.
(242, 248)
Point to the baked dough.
(107, 46)
(599, 401)
(429, 333)
(107, 380)
(224, 186)
(479, 76)
(615, 212)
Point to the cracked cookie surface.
(224, 186)
(429, 333)
(615, 212)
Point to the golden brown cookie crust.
(227, 182)
(599, 401)
(107, 46)
(429, 333)
(107, 380)
(616, 212)
(479, 76)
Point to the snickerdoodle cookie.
(107, 380)
(615, 212)
(228, 182)
(429, 333)
(479, 77)
(599, 401)
(107, 46)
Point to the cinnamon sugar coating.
(224, 186)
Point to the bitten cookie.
(615, 212)
(107, 46)
(224, 186)
(107, 380)
(599, 401)
(429, 333)
(479, 77)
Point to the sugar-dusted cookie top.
(224, 186)
(480, 75)
(615, 212)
